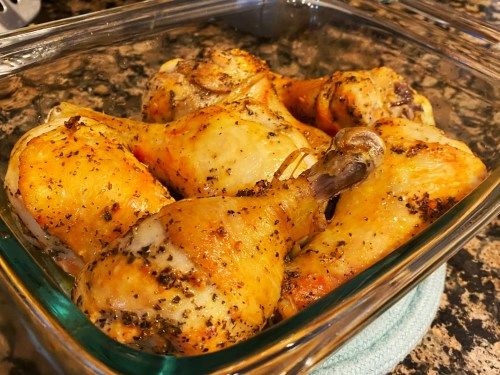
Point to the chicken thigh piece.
(423, 174)
(206, 273)
(351, 98)
(75, 186)
(220, 149)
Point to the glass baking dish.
(103, 61)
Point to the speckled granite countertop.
(465, 335)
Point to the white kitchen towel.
(388, 339)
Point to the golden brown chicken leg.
(205, 273)
(76, 179)
(351, 98)
(76, 186)
(423, 174)
(183, 87)
(221, 149)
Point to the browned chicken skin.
(351, 98)
(422, 175)
(206, 273)
(78, 181)
(221, 149)
(183, 86)
(78, 188)
(186, 86)
(345, 99)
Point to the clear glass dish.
(103, 61)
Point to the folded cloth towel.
(389, 338)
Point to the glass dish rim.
(462, 221)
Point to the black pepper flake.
(221, 232)
(72, 122)
(414, 150)
(397, 149)
(107, 215)
(127, 318)
(166, 278)
(144, 251)
(176, 299)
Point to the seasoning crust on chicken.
(350, 98)
(354, 98)
(184, 86)
(77, 187)
(422, 175)
(249, 238)
(221, 150)
(218, 150)
(205, 273)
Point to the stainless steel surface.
(17, 13)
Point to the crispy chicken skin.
(351, 98)
(218, 150)
(422, 175)
(86, 154)
(201, 275)
(185, 86)
(75, 185)
(354, 98)
(205, 273)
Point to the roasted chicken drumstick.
(352, 98)
(423, 174)
(221, 149)
(205, 273)
(77, 187)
